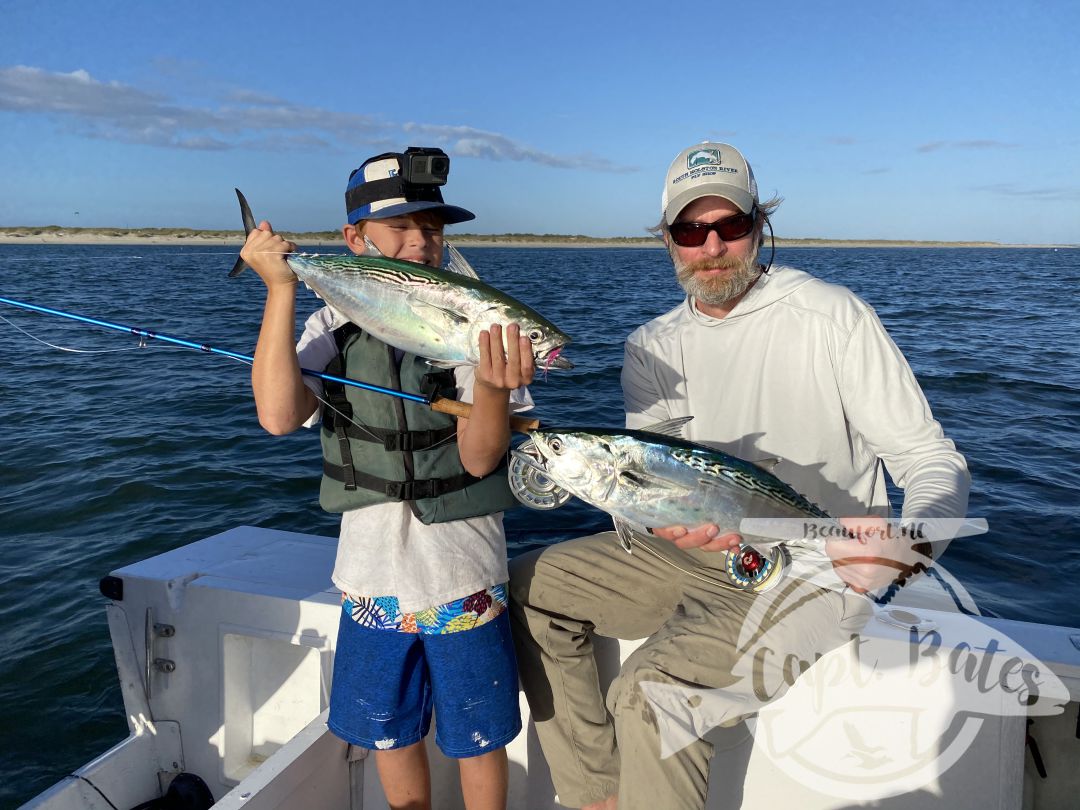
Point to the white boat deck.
(239, 675)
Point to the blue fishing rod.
(440, 404)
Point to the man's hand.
(264, 251)
(706, 538)
(877, 555)
(504, 369)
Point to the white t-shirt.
(384, 550)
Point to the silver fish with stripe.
(431, 312)
(652, 478)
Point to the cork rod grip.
(453, 407)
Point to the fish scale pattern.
(397, 275)
(752, 482)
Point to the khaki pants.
(712, 656)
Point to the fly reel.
(751, 570)
(529, 483)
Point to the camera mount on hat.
(425, 166)
(399, 183)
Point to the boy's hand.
(504, 369)
(264, 251)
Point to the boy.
(423, 596)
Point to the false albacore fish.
(652, 478)
(433, 313)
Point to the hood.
(776, 285)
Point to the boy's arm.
(282, 400)
(485, 435)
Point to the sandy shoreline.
(20, 236)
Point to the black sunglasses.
(729, 229)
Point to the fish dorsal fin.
(766, 464)
(369, 247)
(456, 263)
(669, 427)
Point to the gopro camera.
(423, 166)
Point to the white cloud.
(1047, 193)
(113, 111)
(470, 142)
(936, 146)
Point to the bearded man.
(775, 367)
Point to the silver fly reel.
(529, 483)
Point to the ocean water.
(121, 452)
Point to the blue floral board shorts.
(393, 669)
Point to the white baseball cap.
(708, 170)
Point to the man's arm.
(888, 409)
(643, 401)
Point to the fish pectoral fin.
(669, 427)
(652, 487)
(443, 363)
(428, 311)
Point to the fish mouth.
(555, 359)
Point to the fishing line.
(439, 404)
(366, 428)
(142, 344)
(69, 257)
(203, 347)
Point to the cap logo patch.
(703, 157)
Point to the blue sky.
(918, 120)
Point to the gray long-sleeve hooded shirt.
(803, 372)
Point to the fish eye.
(556, 445)
(535, 335)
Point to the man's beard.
(718, 290)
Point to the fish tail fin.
(249, 226)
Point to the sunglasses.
(729, 229)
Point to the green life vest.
(400, 450)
